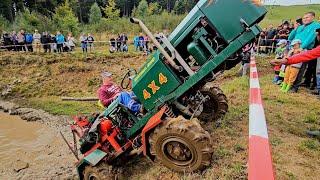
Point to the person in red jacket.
(302, 57)
(109, 92)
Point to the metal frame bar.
(176, 55)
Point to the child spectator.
(292, 70)
(83, 39)
(37, 41)
(279, 55)
(90, 40)
(60, 40)
(281, 73)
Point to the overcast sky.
(291, 2)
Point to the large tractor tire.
(216, 107)
(99, 172)
(181, 145)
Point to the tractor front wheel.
(99, 172)
(181, 145)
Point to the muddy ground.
(35, 149)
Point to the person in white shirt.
(37, 41)
(71, 42)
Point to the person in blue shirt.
(60, 40)
(307, 34)
(136, 42)
(29, 40)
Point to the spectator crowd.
(33, 42)
(49, 42)
(290, 40)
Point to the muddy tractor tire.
(99, 172)
(181, 145)
(216, 107)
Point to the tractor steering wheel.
(126, 79)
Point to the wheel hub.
(178, 151)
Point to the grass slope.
(47, 77)
(276, 14)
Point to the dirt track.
(42, 154)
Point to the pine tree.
(142, 9)
(111, 11)
(64, 18)
(28, 21)
(154, 8)
(3, 23)
(95, 14)
(179, 7)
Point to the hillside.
(276, 14)
(39, 81)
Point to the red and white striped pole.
(260, 165)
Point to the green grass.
(295, 156)
(56, 106)
(288, 115)
(276, 14)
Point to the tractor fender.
(154, 121)
(91, 159)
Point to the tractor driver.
(109, 91)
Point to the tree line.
(90, 15)
(10, 9)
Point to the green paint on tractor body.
(209, 35)
(223, 15)
(154, 81)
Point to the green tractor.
(174, 88)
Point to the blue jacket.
(60, 39)
(29, 38)
(306, 33)
(136, 41)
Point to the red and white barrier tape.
(260, 161)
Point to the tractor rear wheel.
(181, 145)
(216, 107)
(99, 172)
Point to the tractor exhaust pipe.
(156, 43)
